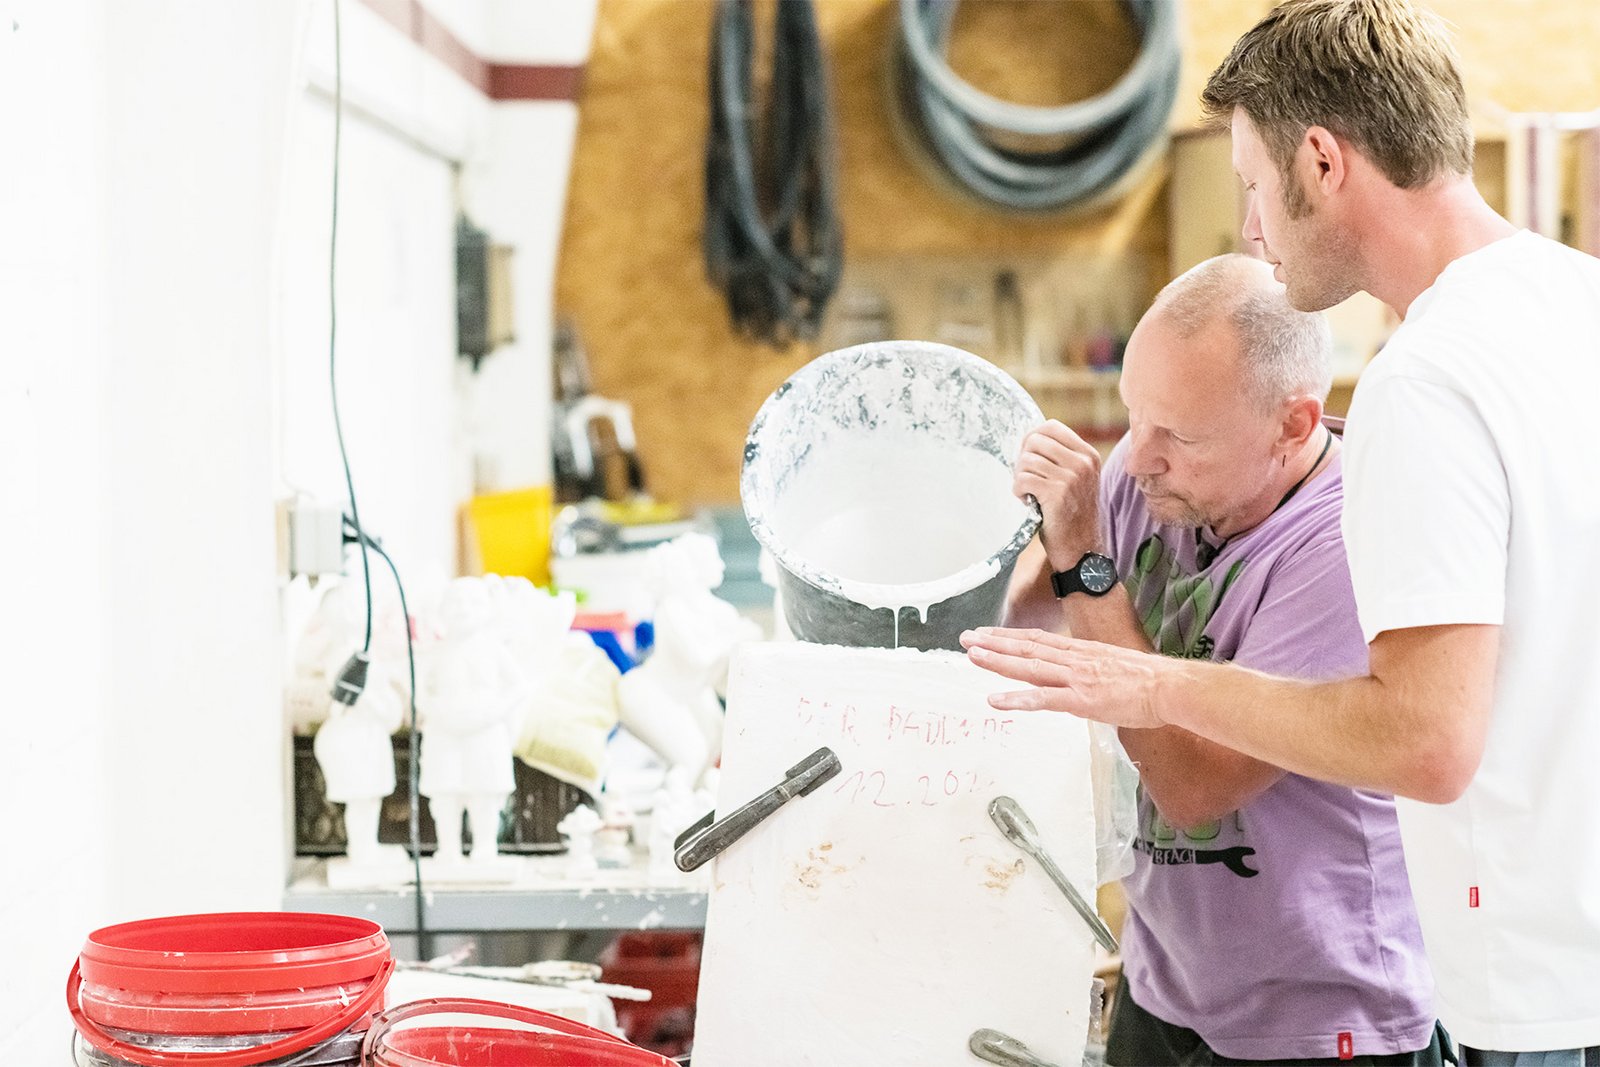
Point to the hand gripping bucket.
(907, 448)
(557, 1042)
(229, 990)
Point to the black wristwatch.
(1093, 574)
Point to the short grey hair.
(1283, 352)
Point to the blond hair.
(1382, 74)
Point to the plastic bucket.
(906, 448)
(557, 1042)
(229, 989)
(510, 533)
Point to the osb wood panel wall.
(630, 268)
(656, 332)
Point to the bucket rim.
(913, 594)
(373, 1045)
(322, 938)
(190, 954)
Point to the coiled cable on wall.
(772, 237)
(973, 136)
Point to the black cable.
(348, 687)
(333, 327)
(772, 234)
(424, 952)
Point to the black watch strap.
(1094, 574)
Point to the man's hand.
(1061, 471)
(1088, 679)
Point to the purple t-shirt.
(1285, 930)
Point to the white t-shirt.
(1472, 495)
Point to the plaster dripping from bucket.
(877, 514)
(879, 478)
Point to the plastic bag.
(1115, 781)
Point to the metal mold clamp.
(992, 1046)
(707, 839)
(1018, 828)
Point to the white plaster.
(882, 473)
(901, 521)
(884, 914)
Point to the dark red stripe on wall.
(498, 81)
(508, 82)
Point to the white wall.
(195, 123)
(52, 623)
(143, 767)
(401, 385)
(164, 201)
(419, 143)
(518, 191)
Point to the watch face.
(1097, 573)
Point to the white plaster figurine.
(675, 807)
(353, 742)
(470, 693)
(670, 700)
(579, 827)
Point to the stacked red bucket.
(234, 989)
(456, 1032)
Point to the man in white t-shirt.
(1472, 522)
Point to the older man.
(1270, 916)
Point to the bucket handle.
(470, 1006)
(244, 1057)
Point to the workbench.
(542, 897)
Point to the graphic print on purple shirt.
(1174, 609)
(1277, 927)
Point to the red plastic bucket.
(558, 1042)
(147, 992)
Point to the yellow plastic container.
(509, 533)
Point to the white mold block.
(883, 918)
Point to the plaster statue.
(470, 694)
(352, 743)
(670, 700)
(579, 827)
(675, 807)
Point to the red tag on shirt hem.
(1347, 1045)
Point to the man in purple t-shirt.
(1270, 919)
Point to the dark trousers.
(1139, 1039)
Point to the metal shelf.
(540, 898)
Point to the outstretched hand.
(1088, 679)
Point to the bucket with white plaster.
(879, 478)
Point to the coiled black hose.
(772, 237)
(972, 136)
